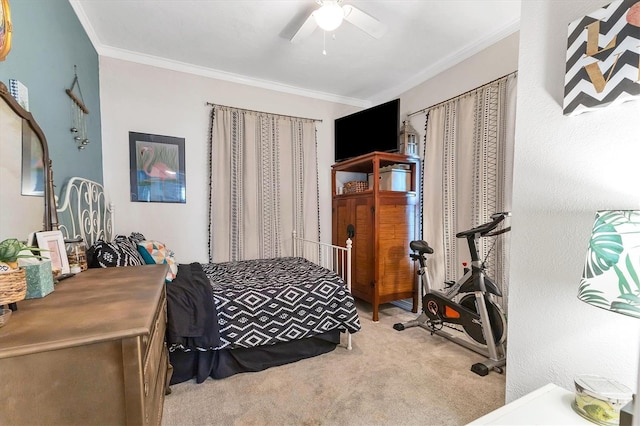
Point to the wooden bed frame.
(86, 213)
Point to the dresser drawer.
(160, 315)
(154, 401)
(155, 348)
(155, 366)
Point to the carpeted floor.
(389, 378)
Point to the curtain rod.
(263, 112)
(463, 94)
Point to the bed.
(233, 317)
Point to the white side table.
(548, 405)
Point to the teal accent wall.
(48, 40)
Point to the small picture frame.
(53, 242)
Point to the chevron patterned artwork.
(603, 58)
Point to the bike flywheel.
(496, 316)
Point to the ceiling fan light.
(329, 16)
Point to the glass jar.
(77, 254)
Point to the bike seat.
(421, 247)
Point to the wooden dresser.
(91, 352)
(382, 220)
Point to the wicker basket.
(13, 286)
(355, 186)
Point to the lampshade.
(329, 16)
(611, 275)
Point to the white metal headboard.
(85, 212)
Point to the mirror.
(27, 202)
(32, 162)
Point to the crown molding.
(155, 61)
(382, 96)
(447, 62)
(159, 62)
(86, 24)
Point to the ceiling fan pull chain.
(324, 43)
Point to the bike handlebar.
(485, 228)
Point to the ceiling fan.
(330, 15)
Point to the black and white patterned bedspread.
(266, 301)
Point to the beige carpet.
(389, 378)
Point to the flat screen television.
(373, 129)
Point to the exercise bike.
(481, 319)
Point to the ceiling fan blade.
(305, 29)
(364, 21)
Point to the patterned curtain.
(263, 184)
(468, 174)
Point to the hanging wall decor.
(78, 113)
(603, 58)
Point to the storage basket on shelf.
(13, 286)
(355, 186)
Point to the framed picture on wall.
(53, 243)
(602, 58)
(157, 168)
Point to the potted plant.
(11, 250)
(13, 281)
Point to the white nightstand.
(549, 405)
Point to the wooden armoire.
(381, 218)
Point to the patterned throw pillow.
(136, 237)
(122, 251)
(155, 252)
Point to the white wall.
(493, 62)
(565, 169)
(148, 99)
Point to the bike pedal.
(434, 325)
